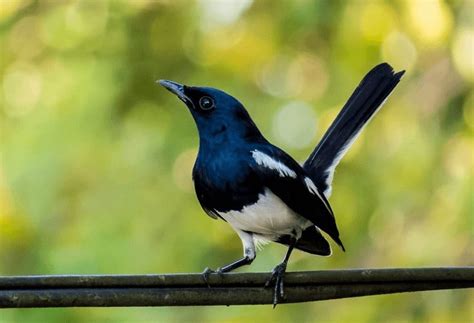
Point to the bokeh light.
(215, 13)
(431, 21)
(463, 53)
(21, 89)
(295, 125)
(376, 20)
(400, 51)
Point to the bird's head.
(215, 112)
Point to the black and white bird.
(262, 192)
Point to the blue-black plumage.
(261, 191)
(362, 105)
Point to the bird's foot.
(277, 278)
(207, 272)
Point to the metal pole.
(228, 289)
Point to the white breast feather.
(266, 161)
(269, 218)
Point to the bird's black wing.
(280, 173)
(366, 100)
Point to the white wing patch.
(311, 187)
(314, 190)
(266, 161)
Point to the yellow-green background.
(95, 174)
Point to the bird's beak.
(175, 88)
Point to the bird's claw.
(277, 278)
(205, 275)
(207, 272)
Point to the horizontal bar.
(228, 289)
(247, 279)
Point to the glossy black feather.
(361, 106)
(311, 241)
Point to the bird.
(261, 191)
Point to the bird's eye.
(206, 103)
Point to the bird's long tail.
(366, 100)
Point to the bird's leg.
(278, 274)
(224, 269)
(249, 256)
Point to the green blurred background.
(95, 174)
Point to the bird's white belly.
(268, 218)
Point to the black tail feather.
(361, 106)
(311, 241)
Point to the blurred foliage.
(95, 173)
